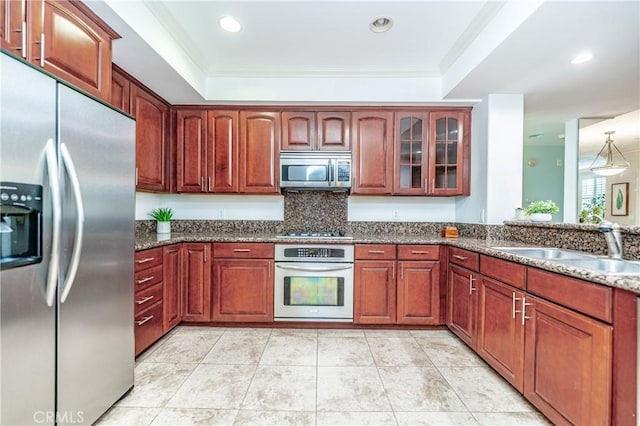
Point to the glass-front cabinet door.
(449, 153)
(410, 152)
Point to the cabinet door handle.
(41, 42)
(457, 256)
(144, 300)
(201, 183)
(136, 176)
(401, 270)
(145, 260)
(524, 310)
(205, 254)
(144, 280)
(23, 39)
(393, 271)
(209, 183)
(375, 251)
(471, 280)
(245, 250)
(514, 299)
(143, 320)
(419, 252)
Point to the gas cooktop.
(337, 235)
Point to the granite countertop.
(483, 246)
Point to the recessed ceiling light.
(229, 23)
(582, 58)
(381, 25)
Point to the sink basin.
(607, 266)
(546, 253)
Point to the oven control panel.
(322, 253)
(307, 252)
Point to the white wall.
(496, 161)
(472, 209)
(213, 207)
(402, 209)
(571, 135)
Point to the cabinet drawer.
(466, 258)
(418, 252)
(148, 277)
(148, 327)
(503, 270)
(375, 251)
(147, 297)
(146, 259)
(589, 298)
(243, 250)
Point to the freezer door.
(95, 327)
(27, 323)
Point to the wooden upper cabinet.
(67, 39)
(191, 137)
(152, 128)
(259, 148)
(222, 151)
(313, 131)
(449, 160)
(13, 26)
(298, 130)
(120, 90)
(334, 131)
(410, 153)
(372, 134)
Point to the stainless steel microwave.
(315, 170)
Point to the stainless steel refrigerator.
(67, 194)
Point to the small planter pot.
(163, 227)
(540, 217)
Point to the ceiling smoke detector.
(381, 25)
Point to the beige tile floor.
(240, 376)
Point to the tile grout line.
(386, 392)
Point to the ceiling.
(437, 52)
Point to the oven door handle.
(315, 269)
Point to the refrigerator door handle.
(77, 246)
(56, 219)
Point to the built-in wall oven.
(313, 282)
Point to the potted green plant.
(541, 211)
(163, 216)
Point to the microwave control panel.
(344, 171)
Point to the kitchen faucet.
(613, 237)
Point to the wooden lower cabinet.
(196, 278)
(461, 303)
(500, 329)
(171, 264)
(148, 298)
(374, 292)
(243, 290)
(418, 293)
(567, 365)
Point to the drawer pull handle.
(145, 260)
(143, 320)
(419, 252)
(241, 250)
(457, 256)
(376, 252)
(145, 300)
(144, 280)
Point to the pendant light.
(609, 168)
